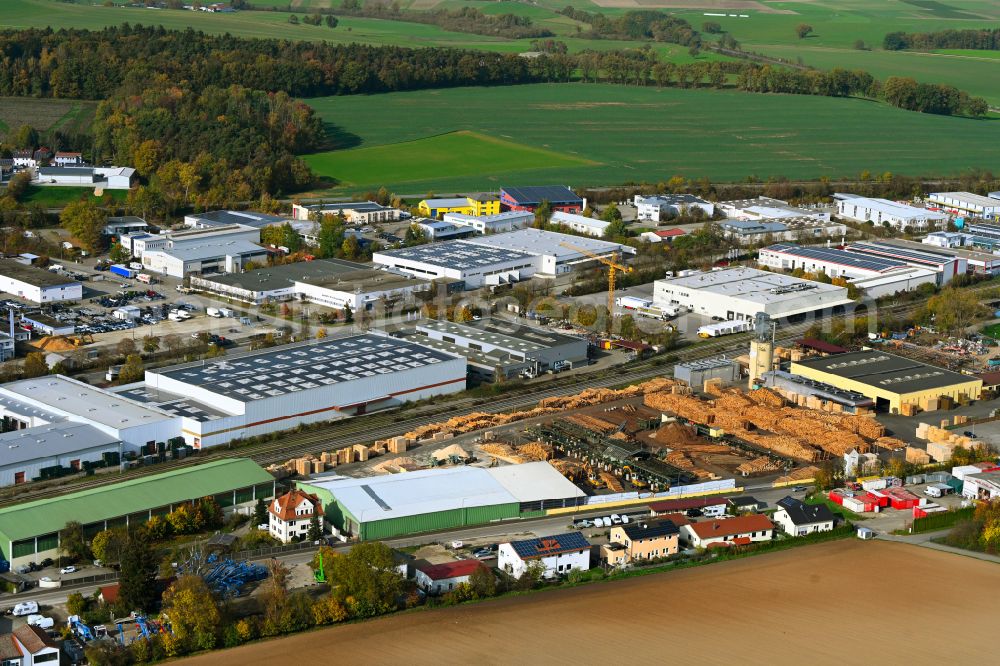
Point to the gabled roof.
(657, 530)
(533, 549)
(284, 507)
(450, 569)
(669, 233)
(801, 513)
(9, 649)
(730, 526)
(33, 639)
(666, 506)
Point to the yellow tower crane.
(612, 265)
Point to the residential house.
(42, 155)
(797, 518)
(641, 541)
(28, 646)
(23, 158)
(739, 531)
(443, 578)
(291, 514)
(662, 235)
(558, 554)
(746, 504)
(64, 158)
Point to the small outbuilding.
(443, 578)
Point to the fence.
(942, 520)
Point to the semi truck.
(123, 271)
(632, 302)
(725, 328)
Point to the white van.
(26, 608)
(615, 519)
(599, 522)
(213, 312)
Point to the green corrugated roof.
(23, 521)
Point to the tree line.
(983, 40)
(460, 19)
(635, 24)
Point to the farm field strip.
(635, 134)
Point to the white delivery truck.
(226, 312)
(213, 312)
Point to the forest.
(983, 40)
(459, 19)
(637, 24)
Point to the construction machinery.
(81, 339)
(612, 265)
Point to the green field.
(45, 114)
(453, 155)
(637, 134)
(57, 197)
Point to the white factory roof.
(56, 439)
(210, 250)
(245, 217)
(548, 243)
(560, 217)
(894, 208)
(753, 285)
(69, 396)
(432, 490)
(533, 482)
(968, 197)
(498, 217)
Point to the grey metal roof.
(672, 199)
(212, 250)
(458, 255)
(554, 194)
(291, 368)
(886, 371)
(246, 217)
(752, 226)
(65, 171)
(38, 277)
(56, 439)
(835, 256)
(285, 275)
(909, 255)
(507, 336)
(356, 206)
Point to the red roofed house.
(662, 235)
(441, 578)
(737, 531)
(28, 646)
(291, 513)
(64, 158)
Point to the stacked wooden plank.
(791, 447)
(684, 406)
(766, 397)
(890, 443)
(761, 465)
(535, 451)
(800, 474)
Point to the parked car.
(68, 570)
(800, 489)
(482, 554)
(970, 434)
(457, 544)
(25, 608)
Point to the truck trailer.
(725, 328)
(123, 271)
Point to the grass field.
(57, 197)
(636, 134)
(45, 114)
(453, 155)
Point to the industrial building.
(480, 205)
(766, 208)
(978, 251)
(514, 348)
(792, 386)
(875, 274)
(497, 259)
(125, 224)
(581, 224)
(883, 212)
(273, 283)
(36, 284)
(29, 532)
(25, 455)
(355, 212)
(141, 242)
(740, 293)
(946, 266)
(754, 232)
(663, 207)
(264, 391)
(359, 290)
(966, 203)
(224, 218)
(108, 178)
(383, 507)
(44, 401)
(530, 198)
(219, 257)
(492, 224)
(891, 381)
(696, 373)
(438, 230)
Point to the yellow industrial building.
(895, 383)
(486, 204)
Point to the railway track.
(382, 425)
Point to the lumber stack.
(761, 465)
(801, 474)
(766, 397)
(890, 443)
(917, 456)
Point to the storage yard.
(773, 589)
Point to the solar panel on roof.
(905, 253)
(838, 256)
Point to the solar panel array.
(901, 253)
(278, 372)
(841, 257)
(550, 545)
(458, 254)
(554, 194)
